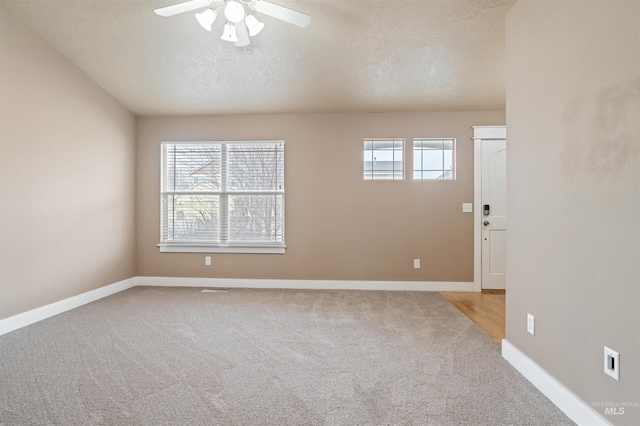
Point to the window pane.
(383, 159)
(434, 157)
(397, 157)
(255, 167)
(448, 160)
(191, 167)
(368, 160)
(432, 144)
(383, 174)
(256, 218)
(432, 160)
(190, 218)
(382, 156)
(432, 175)
(417, 161)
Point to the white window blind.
(433, 159)
(383, 159)
(223, 196)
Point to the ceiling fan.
(240, 26)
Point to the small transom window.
(433, 159)
(383, 159)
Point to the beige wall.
(573, 119)
(338, 227)
(66, 177)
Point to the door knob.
(486, 223)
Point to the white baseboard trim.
(27, 318)
(575, 408)
(305, 284)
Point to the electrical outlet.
(416, 263)
(531, 324)
(207, 260)
(612, 363)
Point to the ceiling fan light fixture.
(229, 33)
(240, 26)
(206, 18)
(253, 25)
(234, 11)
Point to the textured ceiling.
(357, 55)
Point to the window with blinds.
(223, 197)
(383, 159)
(433, 159)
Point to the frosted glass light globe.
(234, 11)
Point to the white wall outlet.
(467, 207)
(531, 324)
(416, 263)
(612, 363)
(207, 260)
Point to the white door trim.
(480, 133)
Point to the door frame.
(480, 133)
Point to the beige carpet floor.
(181, 356)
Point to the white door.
(494, 213)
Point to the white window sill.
(219, 248)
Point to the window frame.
(443, 170)
(224, 194)
(393, 169)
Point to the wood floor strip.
(485, 308)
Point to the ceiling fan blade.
(284, 14)
(182, 7)
(242, 34)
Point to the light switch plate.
(467, 207)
